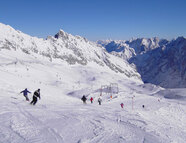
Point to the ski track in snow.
(90, 123)
(106, 127)
(28, 128)
(60, 116)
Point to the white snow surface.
(64, 48)
(61, 117)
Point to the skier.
(91, 99)
(35, 95)
(122, 105)
(143, 106)
(25, 93)
(99, 100)
(84, 99)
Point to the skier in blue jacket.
(25, 93)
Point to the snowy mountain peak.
(5, 27)
(156, 59)
(61, 34)
(180, 40)
(138, 45)
(6, 30)
(65, 47)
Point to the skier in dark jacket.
(84, 99)
(35, 95)
(99, 100)
(25, 93)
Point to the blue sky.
(97, 19)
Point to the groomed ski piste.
(61, 117)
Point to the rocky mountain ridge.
(65, 48)
(159, 61)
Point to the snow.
(61, 117)
(65, 48)
(159, 62)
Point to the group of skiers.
(84, 99)
(35, 95)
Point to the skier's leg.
(35, 101)
(32, 101)
(26, 96)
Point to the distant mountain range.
(158, 61)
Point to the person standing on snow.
(122, 105)
(25, 93)
(99, 100)
(91, 100)
(84, 99)
(35, 95)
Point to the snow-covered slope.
(60, 116)
(64, 47)
(160, 62)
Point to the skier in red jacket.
(122, 105)
(91, 100)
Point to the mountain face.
(157, 61)
(132, 47)
(160, 62)
(65, 48)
